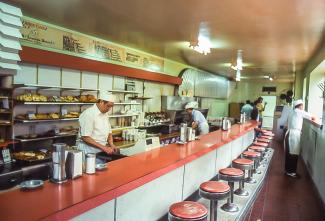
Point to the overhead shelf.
(140, 98)
(45, 138)
(49, 87)
(45, 120)
(122, 91)
(127, 103)
(54, 103)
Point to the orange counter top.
(61, 202)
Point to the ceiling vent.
(10, 24)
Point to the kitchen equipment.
(183, 137)
(74, 164)
(225, 124)
(189, 134)
(169, 128)
(90, 163)
(31, 184)
(242, 118)
(58, 159)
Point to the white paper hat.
(105, 96)
(297, 102)
(191, 104)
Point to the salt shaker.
(90, 163)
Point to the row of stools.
(216, 190)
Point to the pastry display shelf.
(53, 103)
(49, 87)
(46, 138)
(44, 120)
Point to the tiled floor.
(285, 198)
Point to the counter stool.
(214, 191)
(187, 211)
(231, 175)
(261, 144)
(262, 140)
(266, 137)
(258, 149)
(243, 164)
(252, 155)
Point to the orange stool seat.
(263, 140)
(243, 161)
(187, 210)
(251, 154)
(231, 172)
(215, 187)
(261, 144)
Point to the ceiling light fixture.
(202, 44)
(270, 78)
(239, 65)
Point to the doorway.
(268, 114)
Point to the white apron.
(294, 141)
(204, 128)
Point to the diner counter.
(75, 197)
(313, 153)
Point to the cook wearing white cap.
(95, 134)
(292, 137)
(199, 120)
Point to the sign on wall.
(44, 36)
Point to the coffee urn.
(58, 159)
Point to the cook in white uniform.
(95, 134)
(292, 137)
(199, 120)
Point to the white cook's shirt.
(295, 119)
(94, 124)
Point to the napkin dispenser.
(74, 164)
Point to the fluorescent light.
(270, 78)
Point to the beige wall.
(250, 90)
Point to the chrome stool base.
(230, 207)
(241, 192)
(250, 180)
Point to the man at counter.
(199, 120)
(95, 134)
(261, 107)
(292, 137)
(247, 109)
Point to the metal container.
(58, 158)
(183, 133)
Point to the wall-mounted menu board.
(45, 36)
